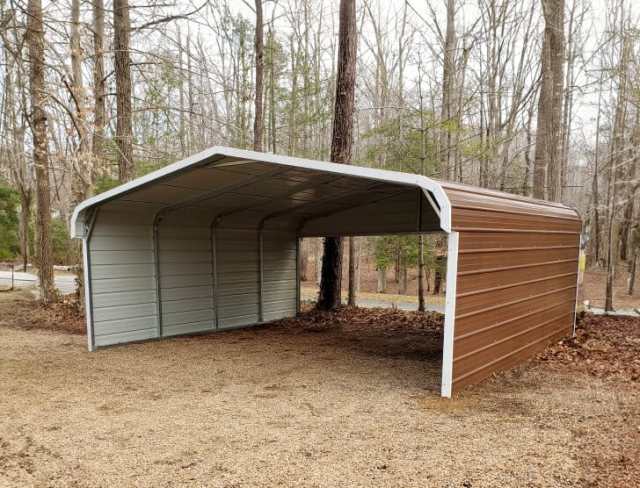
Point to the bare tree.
(258, 123)
(342, 139)
(99, 82)
(122, 65)
(616, 158)
(547, 166)
(448, 90)
(35, 41)
(82, 167)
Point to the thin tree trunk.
(448, 81)
(341, 142)
(594, 242)
(629, 206)
(99, 83)
(35, 40)
(526, 186)
(404, 278)
(615, 162)
(382, 280)
(122, 65)
(545, 98)
(272, 92)
(82, 172)
(258, 124)
(437, 282)
(26, 196)
(423, 158)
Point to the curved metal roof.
(305, 188)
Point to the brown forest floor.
(345, 399)
(595, 283)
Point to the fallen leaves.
(26, 313)
(390, 319)
(604, 347)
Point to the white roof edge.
(423, 182)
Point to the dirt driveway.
(299, 404)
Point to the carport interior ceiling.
(211, 243)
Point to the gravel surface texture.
(328, 400)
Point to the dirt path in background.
(346, 400)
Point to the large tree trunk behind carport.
(342, 138)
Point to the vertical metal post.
(86, 265)
(261, 274)
(214, 271)
(156, 270)
(449, 315)
(581, 261)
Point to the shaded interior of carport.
(211, 243)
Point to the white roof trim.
(427, 184)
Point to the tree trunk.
(382, 280)
(594, 241)
(122, 66)
(35, 39)
(404, 278)
(448, 81)
(82, 172)
(26, 196)
(341, 142)
(258, 124)
(272, 92)
(99, 83)
(304, 260)
(554, 11)
(629, 207)
(611, 262)
(616, 159)
(546, 167)
(437, 281)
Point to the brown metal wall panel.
(466, 217)
(470, 282)
(493, 312)
(476, 340)
(470, 303)
(516, 279)
(490, 239)
(509, 351)
(483, 259)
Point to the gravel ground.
(302, 403)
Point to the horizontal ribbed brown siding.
(516, 280)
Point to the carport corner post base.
(449, 315)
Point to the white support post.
(214, 271)
(449, 315)
(156, 272)
(86, 270)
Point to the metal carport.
(211, 243)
